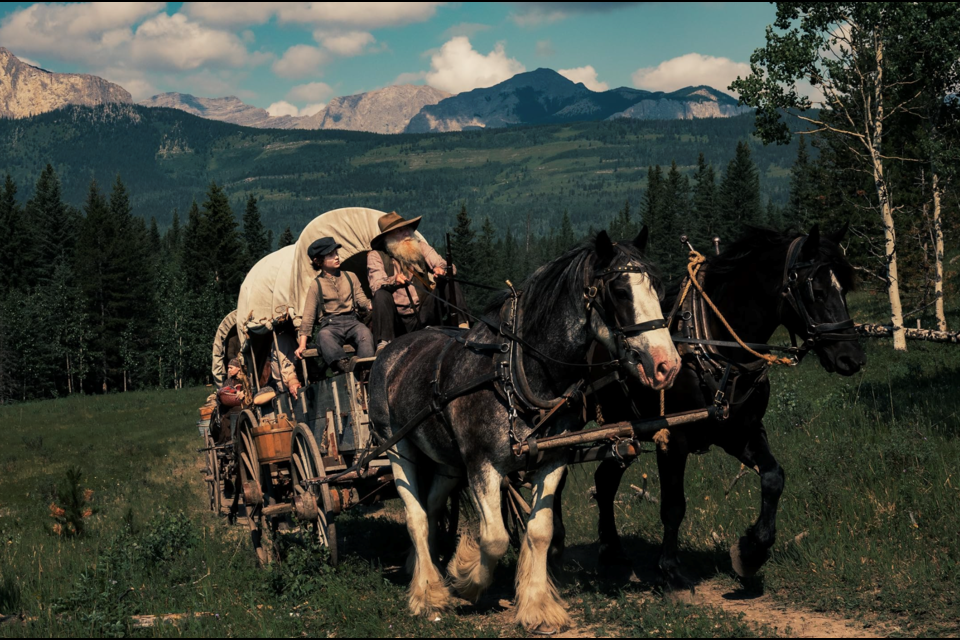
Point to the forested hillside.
(168, 158)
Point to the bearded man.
(402, 269)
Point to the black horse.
(473, 397)
(764, 280)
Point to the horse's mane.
(743, 254)
(564, 276)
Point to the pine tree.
(53, 225)
(705, 213)
(656, 217)
(286, 239)
(225, 255)
(676, 207)
(173, 238)
(193, 252)
(14, 243)
(464, 244)
(802, 188)
(566, 237)
(254, 235)
(740, 195)
(269, 240)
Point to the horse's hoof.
(746, 558)
(544, 629)
(612, 555)
(675, 580)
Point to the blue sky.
(292, 57)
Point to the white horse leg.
(539, 607)
(428, 594)
(471, 569)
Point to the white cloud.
(283, 108)
(468, 29)
(410, 78)
(300, 61)
(131, 80)
(311, 92)
(351, 43)
(174, 42)
(230, 14)
(690, 70)
(531, 14)
(85, 32)
(313, 109)
(30, 62)
(587, 75)
(458, 67)
(362, 15)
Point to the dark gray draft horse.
(764, 280)
(487, 388)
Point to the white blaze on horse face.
(838, 287)
(657, 343)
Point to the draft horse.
(764, 280)
(465, 401)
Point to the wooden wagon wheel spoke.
(249, 472)
(307, 464)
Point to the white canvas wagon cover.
(276, 287)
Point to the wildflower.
(88, 495)
(57, 529)
(88, 513)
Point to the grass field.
(873, 486)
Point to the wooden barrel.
(272, 439)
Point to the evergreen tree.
(193, 253)
(286, 239)
(225, 255)
(676, 207)
(566, 238)
(53, 226)
(254, 235)
(655, 215)
(622, 226)
(464, 244)
(14, 242)
(269, 240)
(98, 239)
(704, 225)
(740, 195)
(801, 206)
(154, 241)
(173, 238)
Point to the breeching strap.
(693, 267)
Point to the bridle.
(792, 290)
(600, 290)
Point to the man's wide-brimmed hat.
(391, 222)
(321, 247)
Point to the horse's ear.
(640, 242)
(838, 235)
(605, 249)
(811, 248)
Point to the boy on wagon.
(333, 298)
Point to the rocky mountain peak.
(26, 90)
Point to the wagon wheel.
(251, 482)
(212, 477)
(312, 501)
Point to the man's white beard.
(408, 254)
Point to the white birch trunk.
(938, 254)
(886, 210)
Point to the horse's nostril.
(663, 371)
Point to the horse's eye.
(621, 294)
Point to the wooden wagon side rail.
(930, 335)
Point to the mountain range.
(536, 97)
(26, 90)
